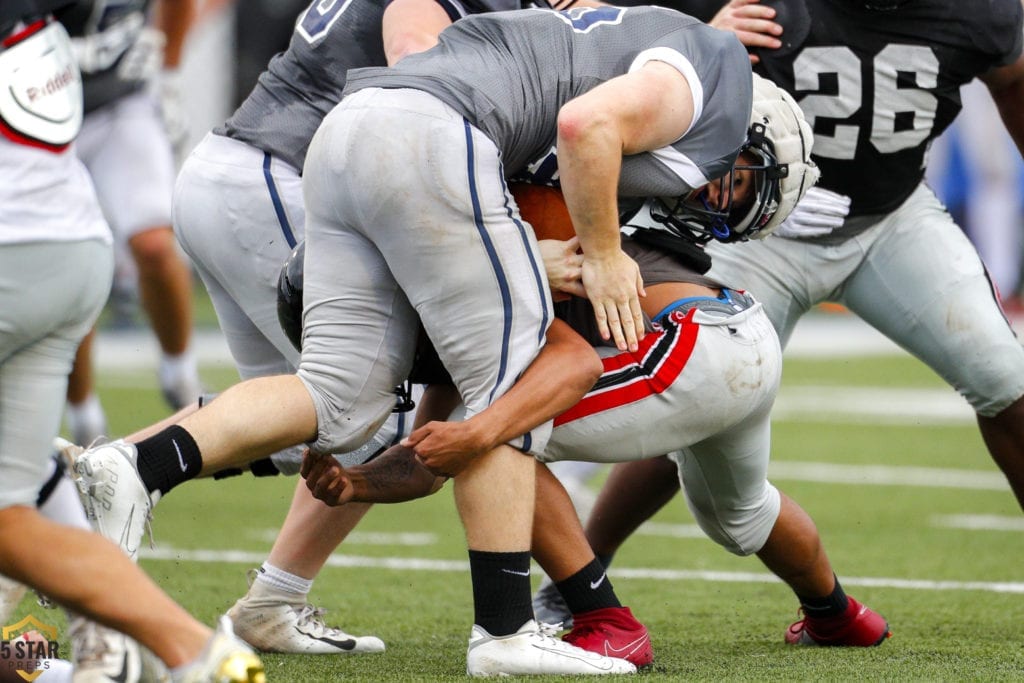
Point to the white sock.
(281, 580)
(86, 420)
(174, 367)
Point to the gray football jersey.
(509, 73)
(305, 81)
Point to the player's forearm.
(393, 477)
(589, 160)
(562, 373)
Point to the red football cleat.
(613, 632)
(858, 627)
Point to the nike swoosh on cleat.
(349, 644)
(628, 648)
(595, 584)
(123, 540)
(517, 573)
(123, 676)
(594, 659)
(181, 460)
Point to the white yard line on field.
(420, 564)
(884, 475)
(876, 405)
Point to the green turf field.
(915, 517)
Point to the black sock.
(588, 589)
(832, 605)
(167, 459)
(501, 591)
(605, 560)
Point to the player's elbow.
(579, 123)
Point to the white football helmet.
(778, 150)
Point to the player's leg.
(135, 154)
(726, 489)
(923, 285)
(33, 380)
(601, 623)
(165, 292)
(84, 414)
(632, 493)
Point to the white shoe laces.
(312, 617)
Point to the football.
(544, 208)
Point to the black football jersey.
(879, 86)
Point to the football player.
(129, 78)
(880, 79)
(641, 81)
(56, 265)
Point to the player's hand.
(326, 479)
(142, 61)
(564, 265)
(820, 212)
(446, 448)
(751, 22)
(614, 286)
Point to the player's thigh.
(238, 222)
(359, 336)
(426, 189)
(131, 164)
(255, 354)
(45, 310)
(923, 285)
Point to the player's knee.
(153, 249)
(344, 426)
(742, 528)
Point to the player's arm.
(556, 380)
(412, 26)
(641, 111)
(1006, 84)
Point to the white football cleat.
(271, 621)
(225, 659)
(101, 654)
(114, 497)
(533, 650)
